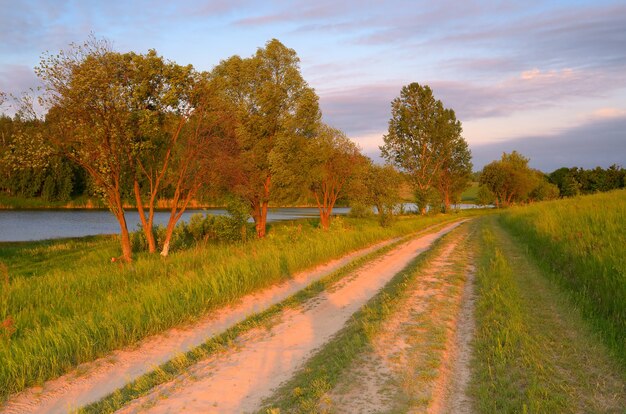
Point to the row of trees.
(510, 180)
(575, 181)
(142, 128)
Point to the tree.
(335, 160)
(420, 140)
(378, 186)
(160, 108)
(272, 101)
(320, 167)
(543, 189)
(88, 96)
(509, 179)
(456, 170)
(201, 151)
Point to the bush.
(360, 210)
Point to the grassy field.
(470, 194)
(66, 303)
(533, 352)
(582, 241)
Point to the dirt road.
(238, 380)
(92, 381)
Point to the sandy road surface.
(239, 379)
(407, 368)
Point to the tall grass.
(508, 373)
(583, 241)
(72, 305)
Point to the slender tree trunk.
(146, 224)
(126, 248)
(171, 224)
(259, 209)
(260, 219)
(325, 219)
(125, 235)
(446, 200)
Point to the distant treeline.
(574, 181)
(30, 168)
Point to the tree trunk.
(260, 218)
(146, 224)
(126, 248)
(325, 219)
(115, 205)
(168, 236)
(446, 201)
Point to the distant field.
(470, 194)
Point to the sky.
(546, 78)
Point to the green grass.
(71, 305)
(532, 350)
(306, 391)
(470, 194)
(583, 242)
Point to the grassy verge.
(581, 242)
(532, 352)
(67, 308)
(306, 391)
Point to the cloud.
(597, 143)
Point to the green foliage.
(424, 141)
(573, 181)
(360, 210)
(273, 104)
(484, 196)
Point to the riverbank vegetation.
(137, 129)
(50, 331)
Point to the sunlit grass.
(72, 305)
(583, 241)
(533, 352)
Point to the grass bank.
(582, 243)
(532, 351)
(68, 304)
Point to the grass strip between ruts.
(176, 366)
(306, 390)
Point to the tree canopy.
(424, 141)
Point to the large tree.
(88, 95)
(509, 179)
(420, 139)
(272, 101)
(319, 168)
(160, 107)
